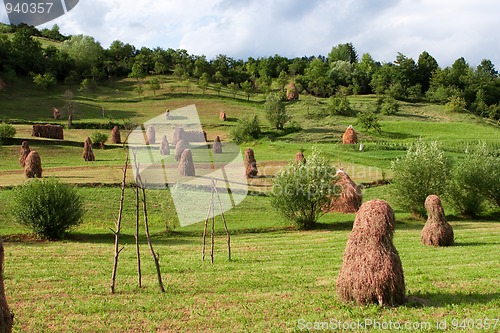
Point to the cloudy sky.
(447, 29)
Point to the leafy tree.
(388, 105)
(99, 138)
(7, 131)
(84, 50)
(368, 121)
(426, 65)
(247, 128)
(317, 79)
(234, 88)
(282, 81)
(154, 84)
(203, 82)
(339, 105)
(218, 88)
(45, 81)
(343, 52)
(247, 87)
(27, 54)
(275, 111)
(138, 71)
(456, 104)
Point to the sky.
(447, 29)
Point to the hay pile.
(437, 231)
(350, 198)
(179, 149)
(48, 131)
(33, 165)
(56, 114)
(222, 116)
(164, 146)
(6, 318)
(23, 153)
(186, 164)
(194, 136)
(349, 137)
(250, 164)
(371, 268)
(151, 135)
(299, 158)
(292, 93)
(115, 135)
(178, 135)
(217, 147)
(88, 152)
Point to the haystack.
(194, 136)
(164, 146)
(6, 318)
(217, 147)
(48, 131)
(349, 136)
(179, 149)
(437, 231)
(250, 163)
(115, 135)
(33, 165)
(292, 93)
(23, 153)
(350, 197)
(299, 158)
(186, 165)
(56, 114)
(151, 135)
(88, 152)
(222, 116)
(371, 268)
(178, 135)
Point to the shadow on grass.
(420, 299)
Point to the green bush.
(456, 104)
(302, 191)
(50, 208)
(276, 111)
(98, 138)
(246, 129)
(7, 131)
(340, 105)
(368, 120)
(389, 106)
(424, 170)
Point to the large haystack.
(371, 268)
(88, 152)
(349, 137)
(437, 231)
(217, 147)
(222, 116)
(179, 149)
(292, 93)
(33, 165)
(299, 158)
(350, 195)
(115, 135)
(250, 163)
(179, 134)
(23, 153)
(48, 131)
(164, 146)
(186, 164)
(6, 318)
(151, 135)
(56, 114)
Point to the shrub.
(98, 138)
(246, 129)
(7, 131)
(50, 208)
(423, 171)
(456, 104)
(302, 192)
(368, 121)
(275, 111)
(339, 105)
(389, 106)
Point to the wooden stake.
(228, 240)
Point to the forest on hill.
(48, 58)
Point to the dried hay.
(222, 116)
(178, 135)
(56, 114)
(33, 165)
(194, 136)
(437, 231)
(6, 318)
(23, 153)
(115, 135)
(217, 147)
(48, 131)
(350, 198)
(164, 146)
(151, 135)
(292, 93)
(299, 158)
(88, 152)
(250, 164)
(371, 268)
(349, 137)
(179, 149)
(186, 164)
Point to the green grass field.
(279, 279)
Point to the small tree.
(339, 105)
(203, 82)
(234, 88)
(246, 129)
(456, 104)
(423, 171)
(99, 138)
(247, 87)
(50, 208)
(302, 192)
(276, 111)
(7, 131)
(368, 120)
(154, 84)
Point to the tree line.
(80, 59)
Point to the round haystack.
(222, 116)
(186, 164)
(88, 152)
(179, 149)
(179, 135)
(217, 147)
(164, 146)
(350, 197)
(371, 268)
(292, 93)
(250, 164)
(33, 165)
(115, 135)
(349, 136)
(437, 231)
(6, 318)
(151, 135)
(299, 158)
(23, 153)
